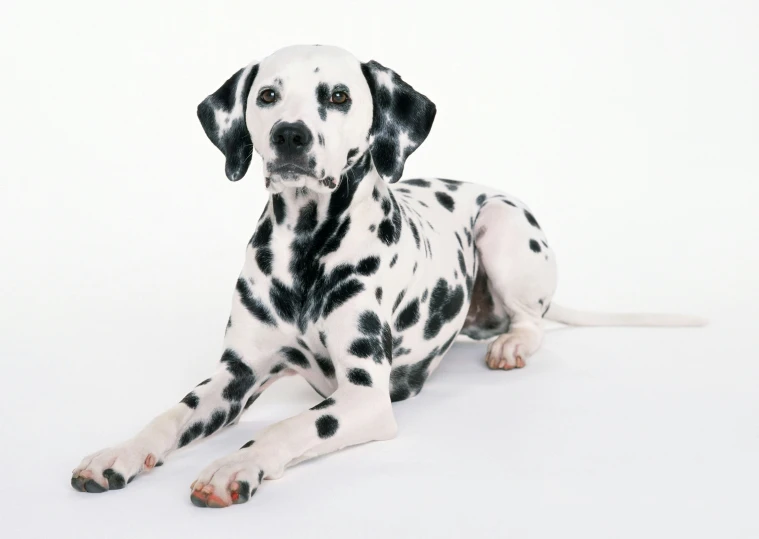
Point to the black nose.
(291, 138)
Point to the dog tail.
(573, 317)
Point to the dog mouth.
(290, 171)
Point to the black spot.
(296, 357)
(481, 199)
(254, 305)
(352, 153)
(243, 377)
(445, 200)
(361, 348)
(531, 219)
(191, 400)
(375, 194)
(325, 365)
(261, 240)
(418, 183)
(378, 294)
(424, 295)
(341, 294)
(368, 265)
(195, 430)
(307, 218)
(408, 316)
(326, 403)
(510, 203)
(387, 342)
(277, 368)
(283, 299)
(250, 401)
(320, 138)
(535, 246)
(215, 423)
(204, 382)
(115, 479)
(369, 323)
(234, 411)
(386, 206)
(462, 263)
(414, 232)
(372, 228)
(280, 210)
(326, 426)
(544, 244)
(323, 338)
(359, 377)
(399, 299)
(445, 304)
(394, 260)
(260, 476)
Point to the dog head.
(311, 112)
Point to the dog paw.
(510, 351)
(228, 481)
(112, 468)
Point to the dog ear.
(222, 115)
(402, 120)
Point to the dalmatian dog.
(353, 280)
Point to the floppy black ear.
(402, 119)
(222, 115)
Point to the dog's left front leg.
(358, 411)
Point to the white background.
(631, 128)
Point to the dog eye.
(339, 97)
(267, 95)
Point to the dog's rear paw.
(511, 350)
(228, 481)
(112, 468)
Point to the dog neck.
(301, 209)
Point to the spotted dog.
(353, 280)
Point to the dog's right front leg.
(245, 370)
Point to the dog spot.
(424, 295)
(378, 294)
(386, 206)
(215, 423)
(531, 219)
(481, 199)
(320, 139)
(387, 342)
(544, 244)
(375, 194)
(399, 299)
(191, 400)
(316, 70)
(510, 203)
(279, 367)
(204, 382)
(535, 246)
(326, 426)
(325, 365)
(418, 183)
(323, 338)
(280, 210)
(394, 260)
(359, 377)
(372, 228)
(295, 357)
(326, 403)
(369, 323)
(195, 430)
(462, 263)
(341, 294)
(253, 305)
(251, 400)
(414, 232)
(368, 266)
(451, 185)
(234, 411)
(243, 377)
(248, 444)
(353, 152)
(306, 218)
(445, 200)
(283, 299)
(408, 316)
(445, 304)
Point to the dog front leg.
(358, 411)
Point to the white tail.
(573, 317)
